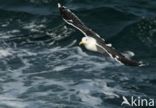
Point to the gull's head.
(87, 41)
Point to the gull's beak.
(81, 43)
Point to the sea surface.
(42, 65)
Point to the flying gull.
(93, 42)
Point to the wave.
(138, 35)
(41, 62)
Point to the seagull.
(93, 42)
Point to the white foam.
(89, 100)
(34, 26)
(12, 102)
(60, 68)
(100, 86)
(5, 52)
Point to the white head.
(87, 41)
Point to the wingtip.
(59, 5)
(141, 64)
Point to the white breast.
(91, 47)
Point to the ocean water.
(42, 65)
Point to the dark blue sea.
(43, 66)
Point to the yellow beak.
(81, 43)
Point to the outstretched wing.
(115, 54)
(71, 19)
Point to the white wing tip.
(59, 5)
(141, 64)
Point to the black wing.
(113, 53)
(71, 19)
